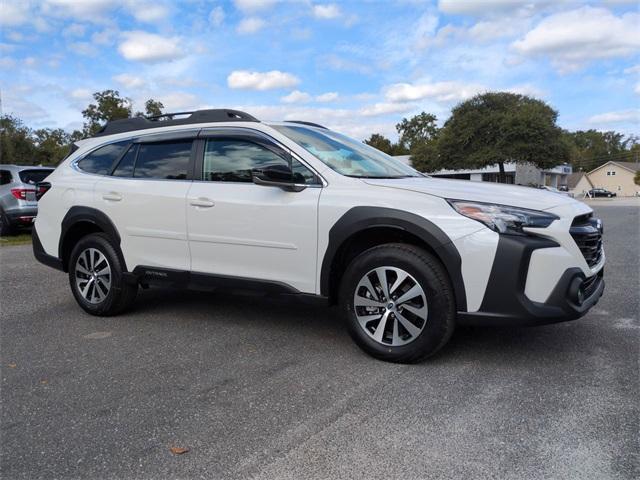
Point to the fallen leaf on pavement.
(12, 365)
(178, 450)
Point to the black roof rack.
(169, 120)
(311, 124)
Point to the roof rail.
(310, 124)
(168, 120)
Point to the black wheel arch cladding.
(101, 220)
(359, 219)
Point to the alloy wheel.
(391, 306)
(93, 275)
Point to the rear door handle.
(201, 202)
(112, 196)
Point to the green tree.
(152, 108)
(380, 142)
(16, 143)
(592, 148)
(417, 130)
(52, 145)
(109, 105)
(494, 128)
(636, 179)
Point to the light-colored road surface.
(265, 389)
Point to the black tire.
(120, 295)
(431, 276)
(5, 225)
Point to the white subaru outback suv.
(218, 199)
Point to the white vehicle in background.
(218, 199)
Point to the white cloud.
(385, 108)
(147, 11)
(216, 16)
(129, 81)
(7, 62)
(91, 10)
(253, 5)
(622, 116)
(81, 94)
(576, 37)
(13, 14)
(250, 25)
(83, 48)
(326, 11)
(636, 89)
(74, 30)
(484, 7)
(327, 97)
(104, 37)
(149, 47)
(244, 79)
(633, 69)
(296, 97)
(179, 101)
(527, 89)
(440, 91)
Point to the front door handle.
(112, 196)
(201, 202)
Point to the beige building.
(616, 177)
(579, 184)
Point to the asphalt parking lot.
(258, 388)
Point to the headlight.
(502, 218)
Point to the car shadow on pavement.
(272, 315)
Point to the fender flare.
(358, 219)
(79, 214)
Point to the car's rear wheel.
(398, 302)
(96, 277)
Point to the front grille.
(587, 233)
(590, 284)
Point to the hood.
(513, 195)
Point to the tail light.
(21, 193)
(41, 189)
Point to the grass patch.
(20, 239)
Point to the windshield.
(345, 155)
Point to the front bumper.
(505, 302)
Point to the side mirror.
(280, 176)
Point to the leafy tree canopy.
(494, 128)
(417, 130)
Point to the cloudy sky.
(358, 66)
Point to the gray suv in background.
(18, 203)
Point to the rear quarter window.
(34, 176)
(101, 161)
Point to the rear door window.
(125, 166)
(31, 177)
(101, 161)
(164, 160)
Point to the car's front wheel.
(96, 277)
(399, 303)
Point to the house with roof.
(617, 177)
(578, 183)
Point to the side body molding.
(359, 219)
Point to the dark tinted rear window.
(34, 176)
(125, 166)
(163, 160)
(101, 161)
